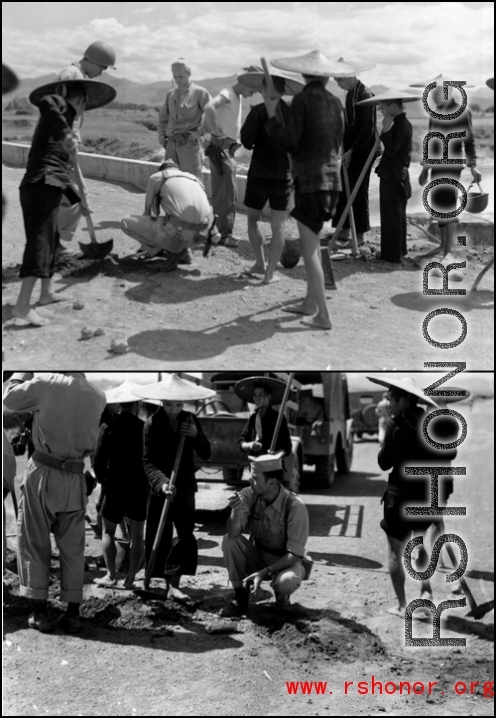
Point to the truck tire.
(344, 456)
(324, 471)
(233, 476)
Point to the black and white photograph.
(155, 128)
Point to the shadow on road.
(416, 301)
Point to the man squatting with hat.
(313, 137)
(97, 58)
(278, 524)
(404, 445)
(186, 222)
(223, 116)
(269, 174)
(180, 118)
(358, 141)
(67, 410)
(47, 179)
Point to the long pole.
(354, 241)
(354, 193)
(160, 530)
(281, 412)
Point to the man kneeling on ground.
(188, 217)
(278, 523)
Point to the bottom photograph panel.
(248, 543)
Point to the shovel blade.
(96, 250)
(480, 611)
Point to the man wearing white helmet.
(98, 57)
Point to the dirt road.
(147, 658)
(211, 315)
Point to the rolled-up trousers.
(52, 501)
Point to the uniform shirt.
(313, 138)
(67, 410)
(182, 195)
(275, 528)
(269, 158)
(9, 464)
(228, 116)
(182, 111)
(48, 160)
(71, 72)
(359, 121)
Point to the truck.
(318, 416)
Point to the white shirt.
(228, 116)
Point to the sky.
(408, 41)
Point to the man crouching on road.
(278, 523)
(67, 410)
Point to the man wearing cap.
(47, 179)
(180, 118)
(403, 446)
(313, 137)
(186, 221)
(98, 57)
(278, 524)
(126, 484)
(358, 141)
(223, 116)
(269, 174)
(67, 411)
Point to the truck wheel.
(233, 476)
(324, 471)
(344, 456)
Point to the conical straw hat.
(245, 388)
(439, 79)
(315, 63)
(253, 77)
(98, 94)
(122, 394)
(358, 66)
(173, 388)
(9, 80)
(407, 384)
(391, 94)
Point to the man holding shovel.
(47, 179)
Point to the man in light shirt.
(223, 116)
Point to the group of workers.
(296, 151)
(144, 455)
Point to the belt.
(199, 227)
(225, 143)
(73, 466)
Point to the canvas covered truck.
(318, 417)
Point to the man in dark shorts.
(313, 137)
(404, 445)
(269, 175)
(125, 485)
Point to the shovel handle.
(354, 241)
(160, 530)
(281, 413)
(82, 193)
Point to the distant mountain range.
(154, 93)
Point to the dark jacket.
(160, 447)
(269, 422)
(359, 121)
(269, 158)
(397, 154)
(118, 458)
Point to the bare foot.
(317, 323)
(256, 269)
(397, 611)
(30, 316)
(298, 309)
(106, 582)
(276, 277)
(125, 585)
(178, 595)
(50, 299)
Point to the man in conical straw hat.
(405, 446)
(269, 174)
(358, 141)
(395, 189)
(161, 439)
(126, 484)
(47, 179)
(444, 198)
(313, 137)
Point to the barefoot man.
(405, 446)
(47, 179)
(313, 137)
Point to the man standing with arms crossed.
(67, 410)
(223, 116)
(180, 118)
